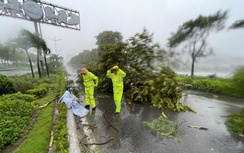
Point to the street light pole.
(55, 43)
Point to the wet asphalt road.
(128, 134)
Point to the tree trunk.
(42, 68)
(32, 72)
(192, 66)
(45, 60)
(38, 64)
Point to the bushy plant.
(24, 82)
(39, 91)
(15, 116)
(227, 86)
(61, 135)
(18, 96)
(238, 80)
(6, 85)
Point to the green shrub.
(226, 86)
(238, 81)
(24, 82)
(15, 116)
(6, 85)
(18, 96)
(61, 134)
(39, 91)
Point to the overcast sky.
(161, 17)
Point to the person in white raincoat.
(72, 102)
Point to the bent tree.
(34, 40)
(237, 24)
(21, 43)
(193, 35)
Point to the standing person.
(90, 81)
(117, 75)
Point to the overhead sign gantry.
(42, 12)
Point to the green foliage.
(16, 111)
(55, 64)
(199, 26)
(235, 122)
(27, 40)
(108, 37)
(137, 57)
(61, 134)
(18, 96)
(238, 80)
(83, 58)
(39, 91)
(162, 91)
(194, 34)
(39, 135)
(224, 86)
(164, 127)
(6, 85)
(24, 82)
(237, 24)
(15, 116)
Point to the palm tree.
(46, 52)
(34, 40)
(22, 43)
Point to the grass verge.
(38, 138)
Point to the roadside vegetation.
(233, 86)
(39, 135)
(235, 123)
(149, 80)
(27, 103)
(26, 118)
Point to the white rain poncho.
(77, 109)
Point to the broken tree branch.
(102, 143)
(110, 123)
(48, 103)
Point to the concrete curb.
(73, 139)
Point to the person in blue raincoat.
(72, 102)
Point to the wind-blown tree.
(147, 79)
(142, 54)
(112, 54)
(194, 33)
(46, 52)
(21, 43)
(13, 56)
(82, 58)
(55, 62)
(238, 77)
(34, 40)
(237, 24)
(5, 55)
(108, 37)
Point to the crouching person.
(72, 102)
